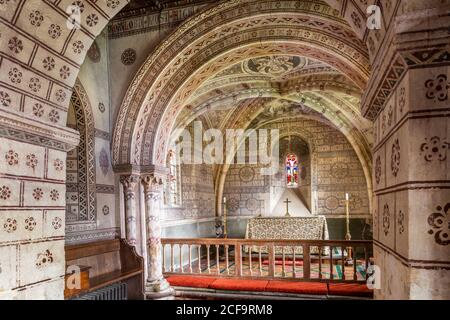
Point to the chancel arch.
(151, 99)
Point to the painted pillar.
(129, 183)
(156, 286)
(412, 160)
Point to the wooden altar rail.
(228, 252)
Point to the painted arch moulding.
(176, 69)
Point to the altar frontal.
(287, 228)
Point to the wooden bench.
(105, 263)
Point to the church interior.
(116, 177)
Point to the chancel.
(246, 149)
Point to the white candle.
(346, 196)
(224, 200)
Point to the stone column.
(129, 183)
(156, 287)
(411, 160)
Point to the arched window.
(291, 171)
(173, 189)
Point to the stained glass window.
(291, 171)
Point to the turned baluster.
(331, 263)
(260, 260)
(343, 262)
(238, 259)
(227, 265)
(163, 258)
(283, 268)
(294, 274)
(320, 262)
(208, 267)
(366, 259)
(181, 257)
(172, 259)
(354, 263)
(199, 258)
(306, 262)
(271, 260)
(217, 259)
(250, 260)
(190, 259)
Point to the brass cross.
(287, 207)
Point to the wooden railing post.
(199, 258)
(331, 262)
(306, 262)
(227, 264)
(208, 261)
(320, 262)
(238, 259)
(163, 257)
(271, 260)
(250, 260)
(217, 259)
(260, 261)
(172, 259)
(180, 246)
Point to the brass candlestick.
(348, 236)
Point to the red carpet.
(190, 282)
(318, 288)
(349, 289)
(239, 285)
(298, 287)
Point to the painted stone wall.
(335, 171)
(92, 108)
(411, 198)
(132, 40)
(197, 190)
(32, 220)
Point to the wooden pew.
(105, 263)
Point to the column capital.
(129, 182)
(152, 182)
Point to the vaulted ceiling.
(282, 86)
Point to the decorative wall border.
(85, 124)
(105, 189)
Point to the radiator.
(114, 292)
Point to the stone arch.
(69, 51)
(155, 96)
(40, 62)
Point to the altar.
(287, 228)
